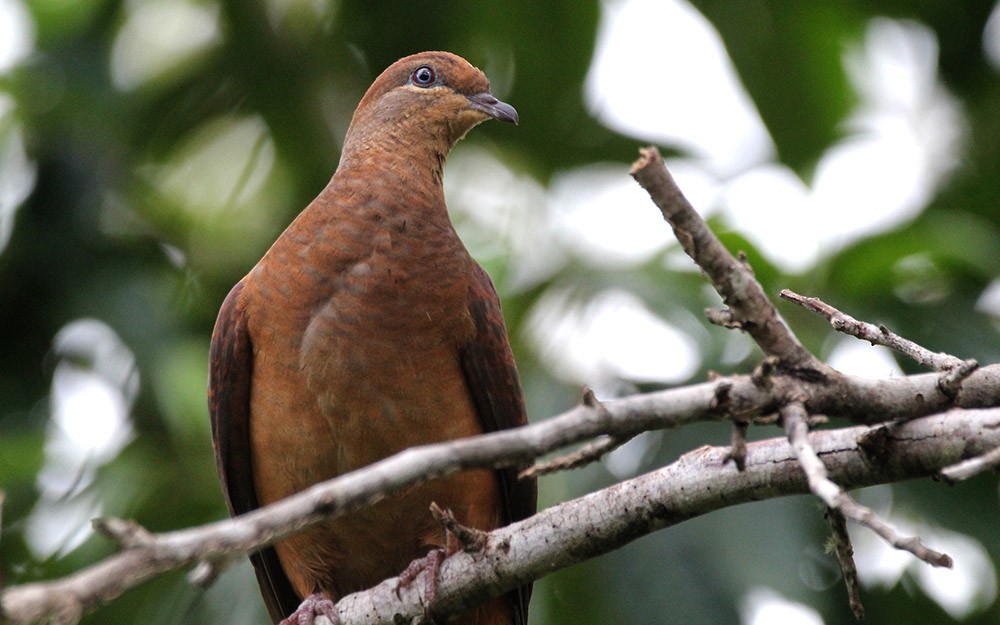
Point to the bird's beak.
(496, 109)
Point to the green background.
(106, 233)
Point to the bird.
(365, 329)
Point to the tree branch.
(699, 482)
(794, 417)
(749, 307)
(844, 551)
(973, 466)
(876, 335)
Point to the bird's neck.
(391, 182)
(419, 167)
(409, 144)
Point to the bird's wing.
(230, 372)
(496, 392)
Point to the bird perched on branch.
(366, 329)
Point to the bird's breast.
(372, 315)
(381, 357)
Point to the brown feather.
(230, 369)
(496, 390)
(366, 329)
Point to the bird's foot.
(314, 605)
(430, 563)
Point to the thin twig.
(972, 467)
(876, 335)
(590, 452)
(748, 306)
(953, 379)
(586, 454)
(206, 572)
(844, 551)
(794, 418)
(738, 444)
(723, 317)
(127, 533)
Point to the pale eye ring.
(423, 76)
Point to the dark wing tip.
(492, 378)
(229, 377)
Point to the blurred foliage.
(120, 227)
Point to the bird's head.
(431, 98)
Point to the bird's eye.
(423, 76)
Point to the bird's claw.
(430, 563)
(313, 605)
